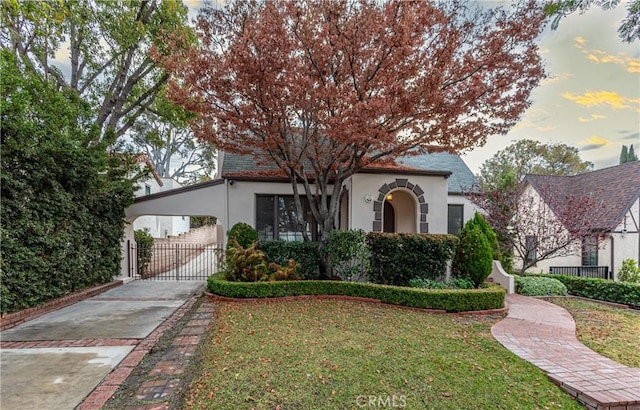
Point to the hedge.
(601, 289)
(398, 258)
(305, 253)
(539, 286)
(451, 300)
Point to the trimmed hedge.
(305, 253)
(398, 258)
(601, 289)
(539, 286)
(491, 297)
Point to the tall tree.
(99, 49)
(163, 134)
(629, 29)
(631, 156)
(324, 89)
(624, 155)
(532, 157)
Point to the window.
(590, 251)
(455, 219)
(147, 189)
(531, 246)
(276, 218)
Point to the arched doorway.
(389, 218)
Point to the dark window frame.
(589, 254)
(531, 248)
(449, 224)
(276, 219)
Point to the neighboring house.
(158, 226)
(613, 218)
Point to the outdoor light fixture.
(389, 196)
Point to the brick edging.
(213, 297)
(14, 319)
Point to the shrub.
(491, 297)
(243, 234)
(398, 258)
(454, 283)
(245, 264)
(629, 272)
(305, 253)
(474, 257)
(489, 233)
(601, 289)
(350, 257)
(144, 242)
(539, 286)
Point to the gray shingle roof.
(461, 179)
(615, 188)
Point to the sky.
(591, 98)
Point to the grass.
(324, 354)
(611, 331)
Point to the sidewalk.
(58, 360)
(545, 335)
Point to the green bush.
(305, 253)
(454, 283)
(398, 258)
(491, 297)
(539, 286)
(474, 256)
(144, 246)
(63, 194)
(601, 289)
(350, 257)
(489, 233)
(249, 265)
(243, 234)
(629, 272)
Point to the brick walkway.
(545, 335)
(165, 376)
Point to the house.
(612, 218)
(416, 194)
(158, 226)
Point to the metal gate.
(176, 261)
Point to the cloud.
(598, 98)
(632, 65)
(592, 118)
(633, 136)
(594, 142)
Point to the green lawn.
(611, 331)
(323, 354)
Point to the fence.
(601, 272)
(174, 261)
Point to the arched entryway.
(401, 208)
(399, 214)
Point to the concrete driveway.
(55, 361)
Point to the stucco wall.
(365, 186)
(468, 210)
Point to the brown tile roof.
(144, 159)
(615, 190)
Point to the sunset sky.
(591, 98)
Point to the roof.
(617, 188)
(144, 159)
(461, 179)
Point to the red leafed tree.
(540, 223)
(325, 88)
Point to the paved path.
(56, 361)
(545, 335)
